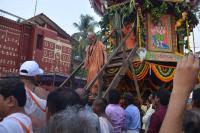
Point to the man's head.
(12, 96)
(83, 94)
(30, 69)
(92, 38)
(73, 120)
(59, 99)
(113, 96)
(29, 72)
(99, 106)
(191, 121)
(128, 98)
(151, 99)
(196, 98)
(162, 98)
(151, 95)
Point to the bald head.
(91, 35)
(91, 38)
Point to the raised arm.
(184, 80)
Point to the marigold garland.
(141, 70)
(163, 73)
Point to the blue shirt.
(132, 118)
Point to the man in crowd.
(161, 102)
(196, 99)
(114, 111)
(96, 57)
(12, 102)
(59, 99)
(84, 98)
(86, 109)
(191, 121)
(72, 120)
(35, 107)
(150, 110)
(132, 115)
(30, 73)
(99, 107)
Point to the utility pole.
(35, 8)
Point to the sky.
(64, 13)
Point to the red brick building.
(39, 39)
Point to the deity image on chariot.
(159, 36)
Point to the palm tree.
(86, 24)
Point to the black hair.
(153, 93)
(60, 98)
(146, 94)
(196, 98)
(191, 122)
(13, 87)
(129, 99)
(101, 104)
(164, 96)
(83, 95)
(113, 96)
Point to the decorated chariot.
(145, 39)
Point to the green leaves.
(131, 6)
(159, 11)
(85, 25)
(147, 5)
(177, 10)
(163, 8)
(117, 23)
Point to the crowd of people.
(27, 108)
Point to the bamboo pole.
(193, 40)
(135, 82)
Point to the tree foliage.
(85, 25)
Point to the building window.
(39, 41)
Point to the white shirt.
(105, 125)
(13, 124)
(146, 117)
(33, 108)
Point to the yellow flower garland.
(159, 76)
(152, 66)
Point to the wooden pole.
(193, 41)
(135, 82)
